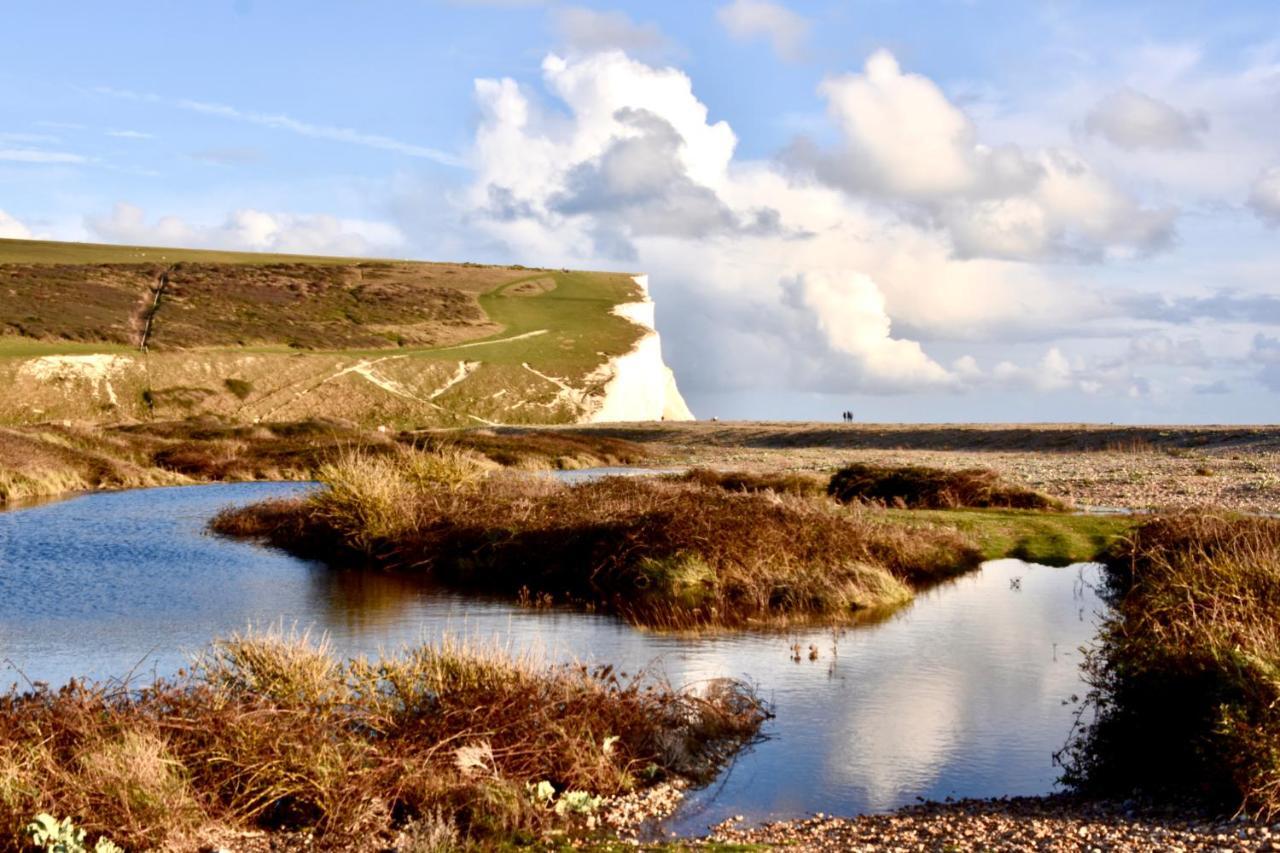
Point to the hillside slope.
(112, 333)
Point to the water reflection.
(959, 694)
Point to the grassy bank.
(445, 745)
(1187, 675)
(656, 551)
(51, 459)
(1048, 538)
(110, 333)
(702, 549)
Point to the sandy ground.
(1091, 466)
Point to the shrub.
(919, 487)
(657, 551)
(272, 732)
(803, 485)
(241, 388)
(1186, 678)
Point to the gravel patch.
(1057, 823)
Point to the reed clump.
(921, 487)
(783, 483)
(659, 552)
(272, 732)
(1186, 677)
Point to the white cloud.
(786, 30)
(249, 230)
(130, 134)
(280, 121)
(590, 31)
(35, 155)
(1264, 197)
(905, 143)
(1265, 351)
(850, 310)
(12, 228)
(1158, 348)
(1133, 120)
(761, 280)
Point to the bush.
(1186, 678)
(802, 485)
(918, 487)
(272, 732)
(657, 551)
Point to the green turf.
(55, 252)
(93, 291)
(1050, 538)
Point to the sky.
(933, 211)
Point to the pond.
(966, 692)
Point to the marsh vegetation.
(1187, 674)
(274, 732)
(700, 549)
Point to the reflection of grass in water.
(663, 553)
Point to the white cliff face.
(640, 386)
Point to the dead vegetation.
(657, 552)
(536, 450)
(51, 459)
(919, 487)
(782, 483)
(54, 458)
(1186, 678)
(464, 745)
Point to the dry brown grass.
(1187, 677)
(51, 459)
(658, 552)
(538, 449)
(273, 732)
(919, 487)
(782, 483)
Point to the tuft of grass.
(1186, 677)
(536, 450)
(271, 732)
(242, 388)
(657, 551)
(786, 483)
(917, 486)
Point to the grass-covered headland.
(1187, 674)
(442, 747)
(702, 549)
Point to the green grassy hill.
(120, 333)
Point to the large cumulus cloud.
(769, 278)
(904, 142)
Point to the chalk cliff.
(640, 386)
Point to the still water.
(964, 693)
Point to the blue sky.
(919, 211)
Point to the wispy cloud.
(130, 134)
(27, 138)
(785, 30)
(280, 121)
(35, 155)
